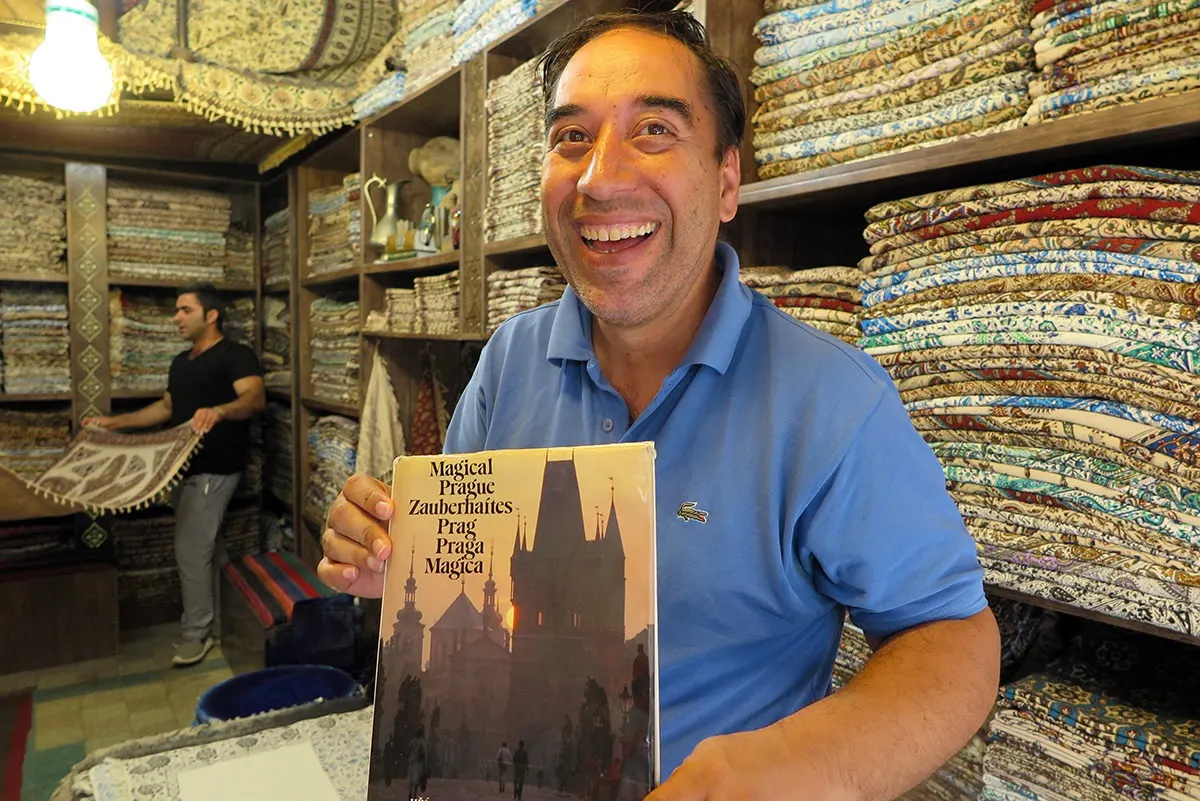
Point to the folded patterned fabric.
(992, 121)
(1010, 54)
(1064, 76)
(1113, 717)
(965, 28)
(1082, 175)
(1042, 334)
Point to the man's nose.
(611, 168)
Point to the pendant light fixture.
(67, 69)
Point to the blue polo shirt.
(821, 497)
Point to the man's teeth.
(613, 233)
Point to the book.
(517, 648)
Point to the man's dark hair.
(208, 298)
(723, 85)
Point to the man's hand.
(204, 419)
(747, 766)
(356, 541)
(107, 423)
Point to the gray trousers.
(200, 502)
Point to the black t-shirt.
(207, 381)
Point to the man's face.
(189, 317)
(632, 192)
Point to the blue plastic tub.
(273, 688)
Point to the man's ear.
(211, 316)
(730, 177)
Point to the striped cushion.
(272, 583)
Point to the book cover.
(517, 644)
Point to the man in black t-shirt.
(216, 385)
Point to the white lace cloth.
(342, 743)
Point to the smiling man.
(791, 486)
(216, 385)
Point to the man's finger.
(350, 579)
(353, 523)
(348, 552)
(369, 494)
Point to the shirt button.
(607, 425)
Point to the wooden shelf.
(325, 279)
(44, 397)
(1087, 614)
(438, 337)
(163, 283)
(432, 110)
(522, 244)
(279, 394)
(137, 395)
(276, 289)
(447, 259)
(33, 278)
(1142, 123)
(344, 409)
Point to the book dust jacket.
(517, 653)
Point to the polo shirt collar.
(716, 339)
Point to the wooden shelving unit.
(160, 283)
(433, 337)
(33, 278)
(1017, 152)
(48, 397)
(331, 279)
(416, 264)
(524, 244)
(344, 409)
(1088, 614)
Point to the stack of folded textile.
(334, 343)
(399, 315)
(34, 340)
(33, 226)
(147, 573)
(332, 441)
(1099, 53)
(143, 340)
(428, 30)
(251, 483)
(1042, 334)
(382, 95)
(848, 79)
(240, 320)
(277, 343)
(512, 291)
(827, 298)
(278, 436)
(239, 257)
(278, 533)
(335, 226)
(44, 540)
(31, 442)
(516, 138)
(1115, 717)
(277, 249)
(853, 653)
(437, 303)
(478, 23)
(166, 233)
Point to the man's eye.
(572, 137)
(654, 129)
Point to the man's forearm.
(915, 704)
(244, 406)
(153, 415)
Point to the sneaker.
(191, 652)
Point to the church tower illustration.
(568, 592)
(408, 632)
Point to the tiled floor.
(79, 708)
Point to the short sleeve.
(243, 364)
(883, 537)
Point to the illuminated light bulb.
(67, 69)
